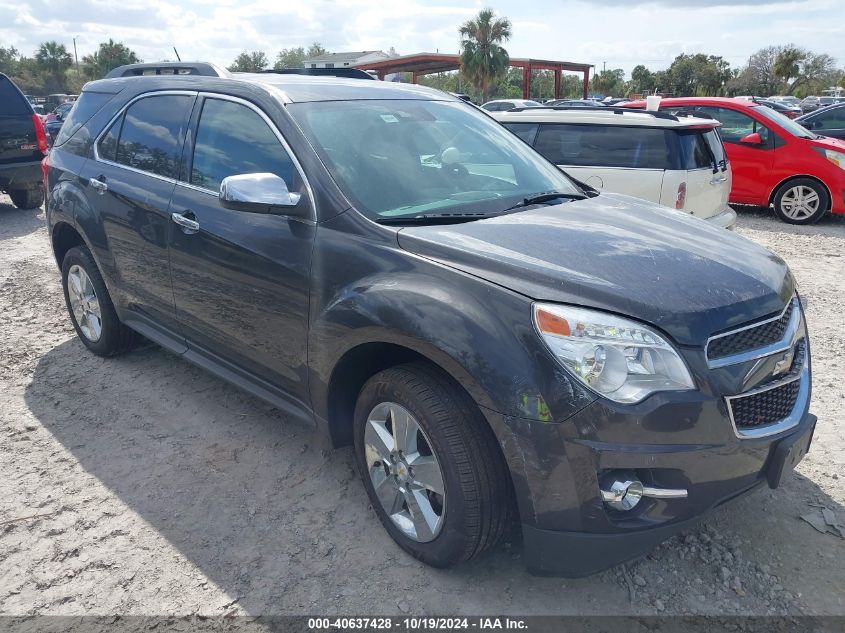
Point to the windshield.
(405, 158)
(796, 129)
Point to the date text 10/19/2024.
(416, 624)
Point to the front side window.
(833, 119)
(404, 158)
(152, 134)
(735, 125)
(581, 145)
(233, 139)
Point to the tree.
(249, 62)
(290, 58)
(483, 58)
(610, 83)
(9, 60)
(53, 60)
(315, 50)
(108, 56)
(642, 80)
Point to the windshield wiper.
(436, 218)
(547, 196)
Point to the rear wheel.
(431, 465)
(90, 306)
(801, 201)
(27, 198)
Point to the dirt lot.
(153, 488)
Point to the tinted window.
(525, 131)
(604, 146)
(714, 141)
(735, 125)
(233, 139)
(88, 104)
(107, 147)
(12, 102)
(832, 119)
(695, 153)
(152, 133)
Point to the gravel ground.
(143, 486)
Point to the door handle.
(718, 181)
(99, 185)
(188, 225)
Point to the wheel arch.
(64, 236)
(786, 180)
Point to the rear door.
(629, 160)
(242, 280)
(129, 182)
(707, 174)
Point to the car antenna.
(177, 54)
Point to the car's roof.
(611, 116)
(510, 101)
(289, 87)
(714, 101)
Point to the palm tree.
(53, 58)
(483, 58)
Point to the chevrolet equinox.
(498, 343)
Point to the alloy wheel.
(84, 303)
(405, 472)
(800, 202)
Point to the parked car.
(808, 104)
(789, 111)
(59, 112)
(502, 105)
(776, 162)
(826, 101)
(388, 264)
(576, 103)
(828, 122)
(23, 144)
(678, 162)
(788, 99)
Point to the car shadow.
(16, 222)
(282, 525)
(764, 219)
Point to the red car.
(775, 161)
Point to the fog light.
(622, 491)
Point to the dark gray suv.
(500, 345)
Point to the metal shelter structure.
(429, 63)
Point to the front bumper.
(725, 219)
(574, 554)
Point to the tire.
(801, 201)
(111, 337)
(476, 505)
(27, 198)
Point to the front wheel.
(801, 201)
(431, 465)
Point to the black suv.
(391, 265)
(23, 144)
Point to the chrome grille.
(750, 338)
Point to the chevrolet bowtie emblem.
(785, 363)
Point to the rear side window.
(88, 104)
(604, 146)
(12, 102)
(695, 152)
(107, 147)
(525, 131)
(233, 139)
(833, 119)
(152, 134)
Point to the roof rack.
(167, 68)
(656, 115)
(347, 73)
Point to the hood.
(622, 255)
(828, 142)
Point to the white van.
(677, 161)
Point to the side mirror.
(752, 139)
(259, 193)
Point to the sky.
(618, 33)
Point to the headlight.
(837, 158)
(620, 359)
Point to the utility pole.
(603, 66)
(75, 56)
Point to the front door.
(241, 280)
(129, 182)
